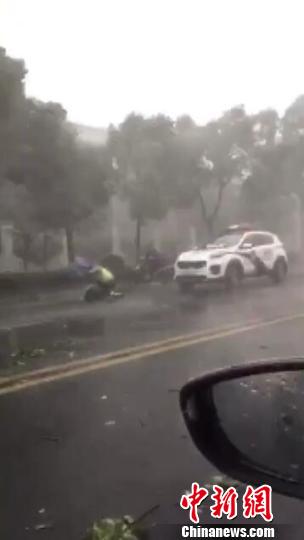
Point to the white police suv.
(240, 252)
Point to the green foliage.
(203, 161)
(50, 180)
(114, 529)
(138, 148)
(12, 99)
(139, 153)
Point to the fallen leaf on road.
(110, 423)
(223, 481)
(51, 438)
(43, 526)
(34, 353)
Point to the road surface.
(111, 441)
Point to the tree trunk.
(45, 251)
(25, 264)
(138, 240)
(209, 219)
(27, 241)
(206, 220)
(210, 228)
(70, 243)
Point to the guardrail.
(16, 283)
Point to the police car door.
(246, 250)
(264, 247)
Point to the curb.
(43, 333)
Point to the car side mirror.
(246, 245)
(249, 422)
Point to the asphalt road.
(112, 441)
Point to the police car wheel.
(279, 271)
(233, 276)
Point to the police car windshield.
(227, 240)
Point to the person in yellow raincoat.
(104, 278)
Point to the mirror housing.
(201, 415)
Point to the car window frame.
(238, 243)
(270, 236)
(246, 239)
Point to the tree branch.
(203, 205)
(222, 185)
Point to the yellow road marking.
(48, 375)
(118, 353)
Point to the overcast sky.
(102, 59)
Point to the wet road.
(112, 441)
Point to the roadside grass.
(117, 529)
